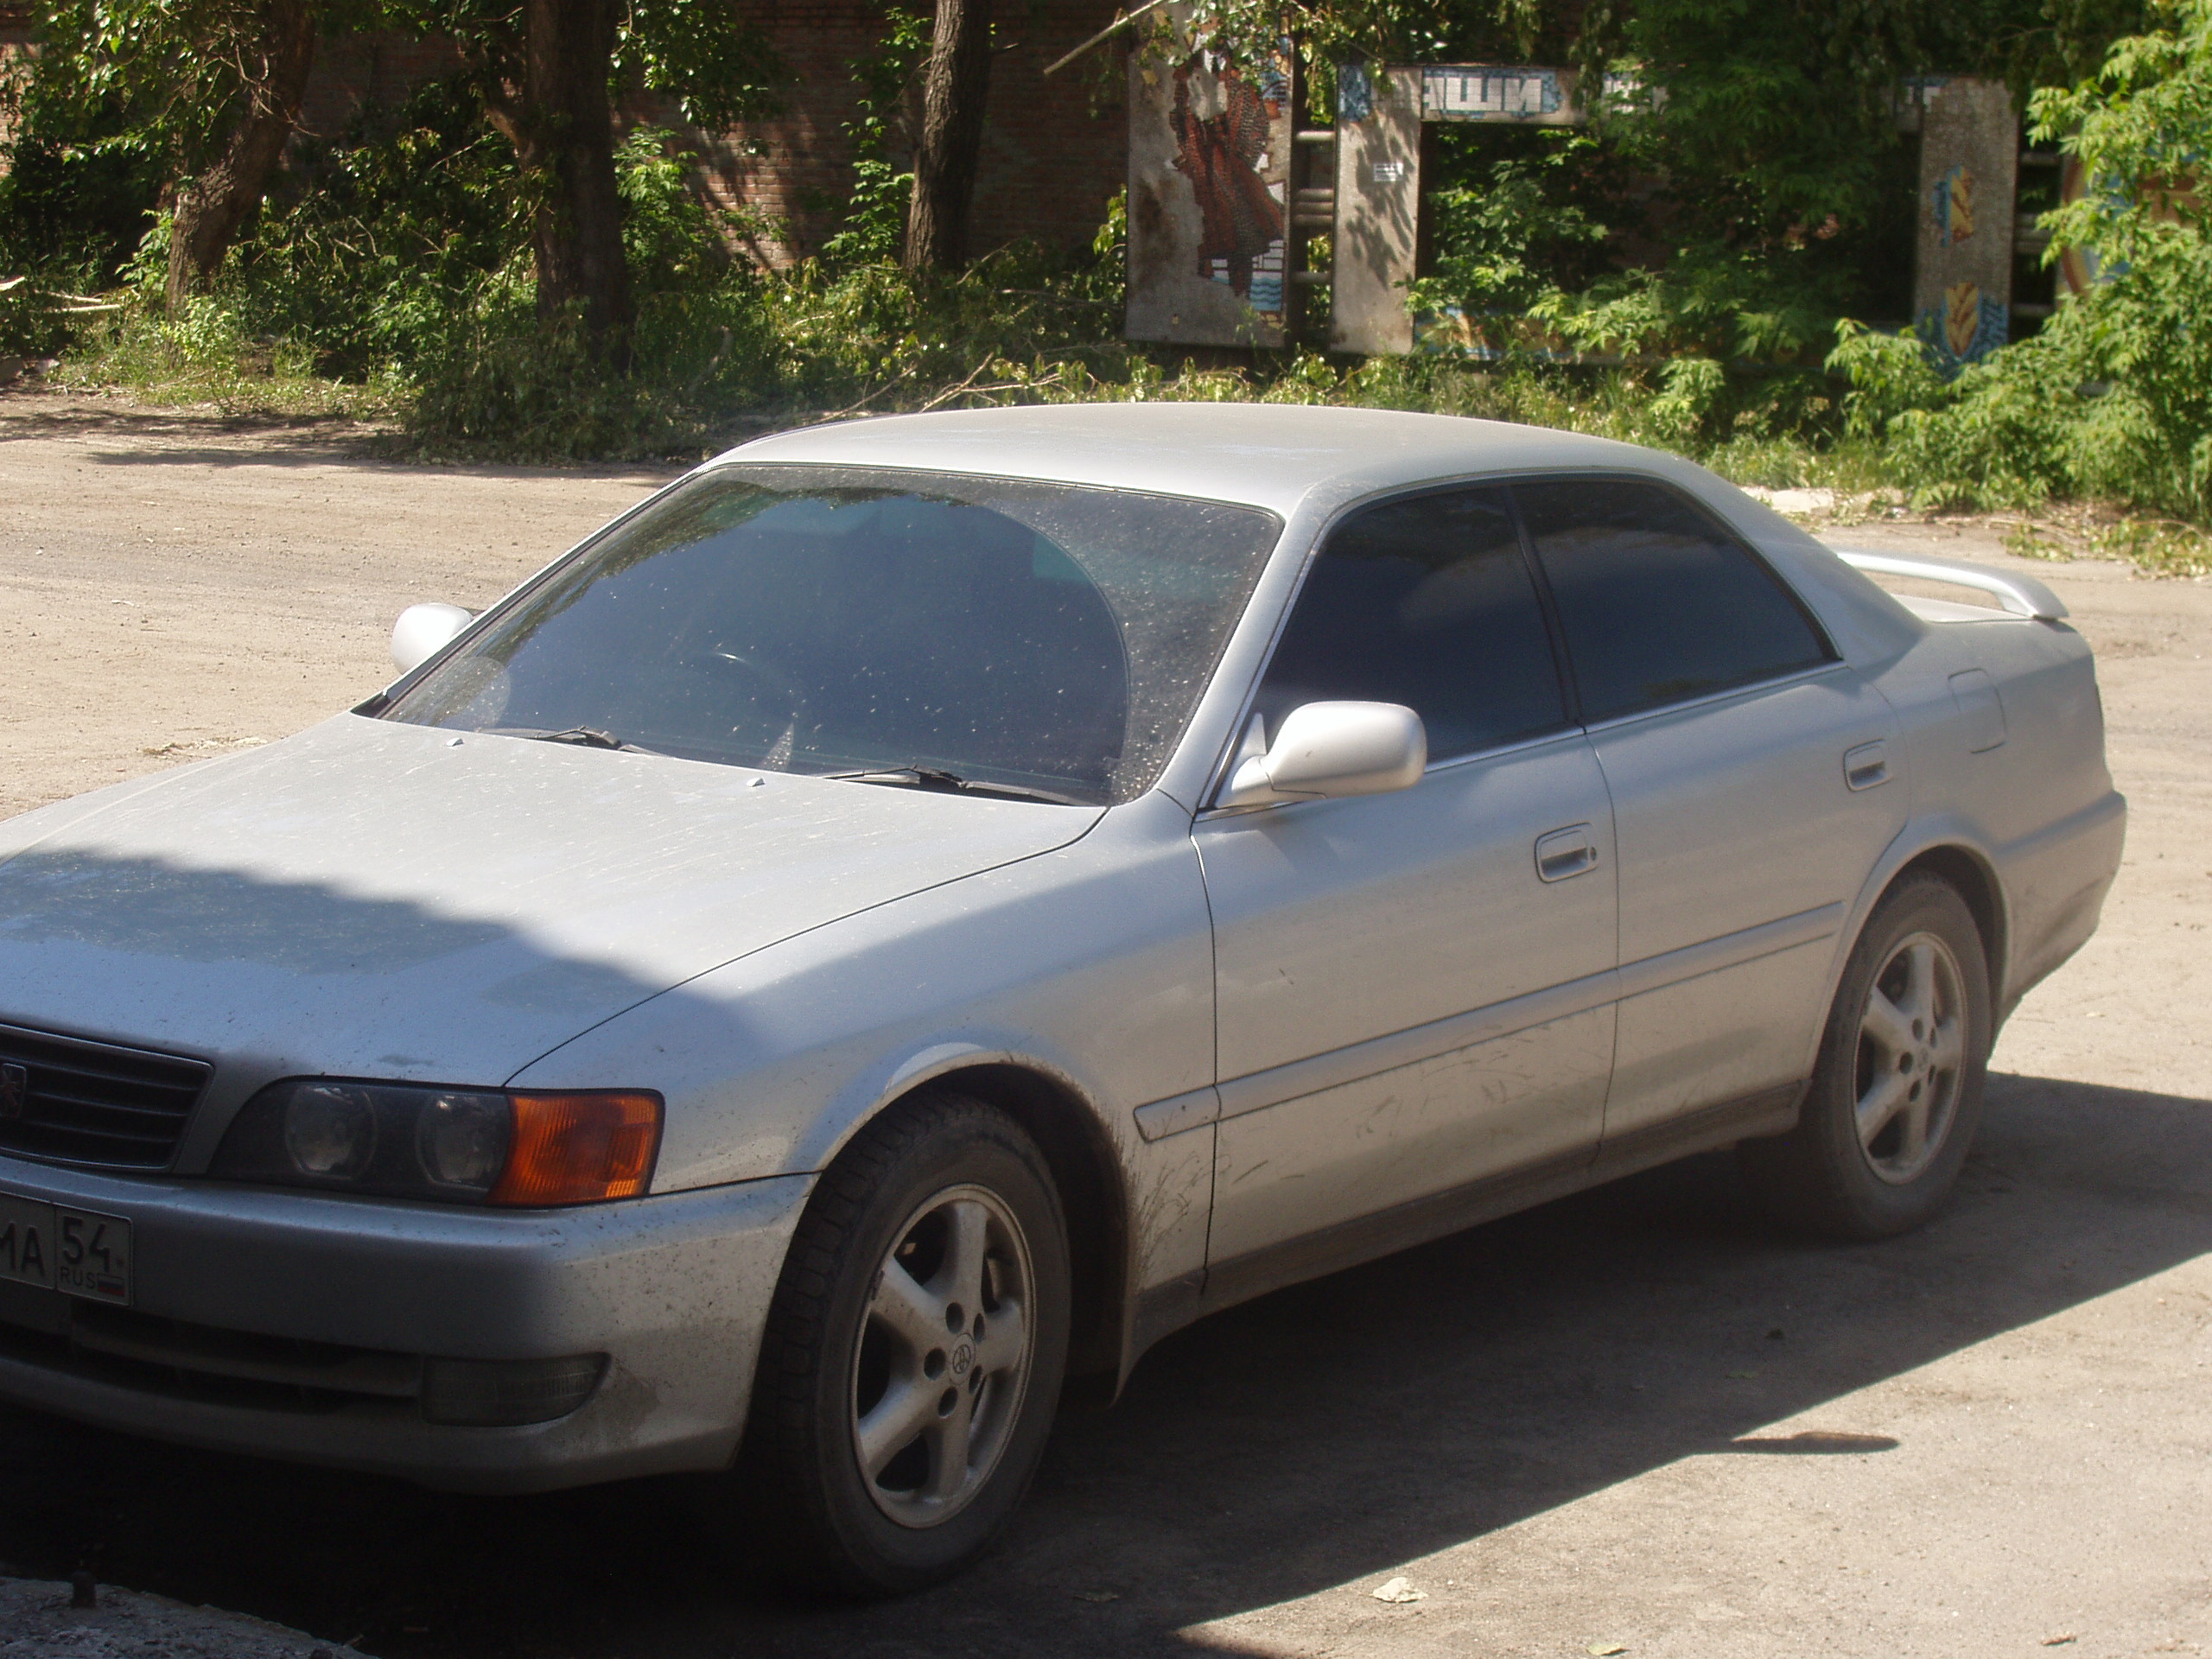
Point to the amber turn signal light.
(580, 1148)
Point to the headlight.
(466, 1146)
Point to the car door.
(1752, 777)
(1412, 989)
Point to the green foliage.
(383, 237)
(148, 80)
(31, 322)
(1512, 234)
(1766, 116)
(71, 213)
(711, 60)
(2059, 42)
(873, 224)
(2113, 399)
(94, 133)
(1328, 32)
(1889, 374)
(444, 336)
(204, 356)
(1744, 188)
(493, 378)
(1708, 299)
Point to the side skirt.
(1166, 1308)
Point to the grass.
(203, 357)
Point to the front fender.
(1089, 968)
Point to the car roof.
(1268, 455)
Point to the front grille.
(94, 1104)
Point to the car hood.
(374, 899)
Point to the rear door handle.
(1866, 765)
(1565, 852)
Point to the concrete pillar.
(1378, 207)
(1969, 174)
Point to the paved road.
(1637, 1417)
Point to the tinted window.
(1656, 602)
(824, 620)
(1427, 602)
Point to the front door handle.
(1565, 852)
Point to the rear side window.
(1657, 603)
(1427, 602)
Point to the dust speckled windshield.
(817, 619)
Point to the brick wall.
(1053, 150)
(351, 70)
(15, 23)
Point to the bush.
(2113, 399)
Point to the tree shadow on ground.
(203, 436)
(1323, 1434)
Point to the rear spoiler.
(2021, 595)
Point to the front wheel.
(914, 1350)
(1896, 1096)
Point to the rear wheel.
(1896, 1098)
(914, 1351)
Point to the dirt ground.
(1634, 1421)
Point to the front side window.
(1429, 603)
(1656, 601)
(820, 619)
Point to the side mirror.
(423, 631)
(1325, 750)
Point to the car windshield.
(818, 620)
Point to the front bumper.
(673, 1290)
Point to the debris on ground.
(1399, 1589)
(49, 1620)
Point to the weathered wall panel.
(1209, 149)
(1378, 207)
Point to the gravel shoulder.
(1635, 1419)
(38, 1621)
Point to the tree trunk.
(568, 139)
(210, 208)
(953, 92)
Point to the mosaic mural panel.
(1209, 154)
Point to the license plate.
(77, 1252)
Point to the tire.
(1903, 1054)
(913, 1354)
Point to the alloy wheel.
(945, 1357)
(1911, 1058)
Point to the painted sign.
(1210, 145)
(1517, 93)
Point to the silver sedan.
(920, 908)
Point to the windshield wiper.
(586, 737)
(952, 782)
